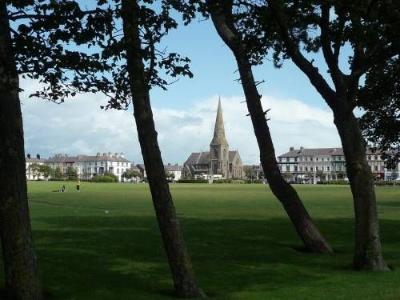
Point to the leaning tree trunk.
(368, 250)
(21, 275)
(312, 238)
(178, 257)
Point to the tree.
(129, 174)
(45, 171)
(20, 266)
(224, 22)
(380, 99)
(248, 172)
(320, 174)
(170, 176)
(140, 80)
(57, 175)
(34, 169)
(72, 174)
(370, 32)
(33, 36)
(124, 67)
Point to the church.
(219, 162)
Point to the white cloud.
(80, 126)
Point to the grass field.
(103, 243)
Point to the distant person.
(63, 188)
(78, 185)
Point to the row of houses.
(88, 166)
(324, 164)
(303, 165)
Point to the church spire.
(219, 130)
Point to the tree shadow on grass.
(109, 257)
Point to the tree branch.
(298, 58)
(331, 59)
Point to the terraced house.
(88, 166)
(324, 164)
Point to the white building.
(31, 164)
(88, 166)
(324, 164)
(174, 169)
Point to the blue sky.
(185, 113)
(214, 71)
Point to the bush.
(104, 178)
(254, 181)
(228, 181)
(192, 181)
(339, 182)
(386, 182)
(222, 181)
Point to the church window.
(215, 153)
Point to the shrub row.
(344, 182)
(104, 178)
(192, 181)
(340, 182)
(228, 181)
(387, 182)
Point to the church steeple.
(219, 130)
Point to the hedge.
(104, 178)
(192, 181)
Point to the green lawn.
(103, 243)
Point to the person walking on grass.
(78, 185)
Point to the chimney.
(28, 156)
(104, 154)
(301, 148)
(38, 156)
(109, 153)
(121, 155)
(98, 154)
(291, 149)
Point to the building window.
(287, 168)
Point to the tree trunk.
(21, 274)
(286, 194)
(368, 250)
(178, 257)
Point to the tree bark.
(21, 273)
(306, 229)
(179, 261)
(368, 249)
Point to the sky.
(185, 113)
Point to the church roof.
(219, 130)
(232, 155)
(198, 158)
(203, 158)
